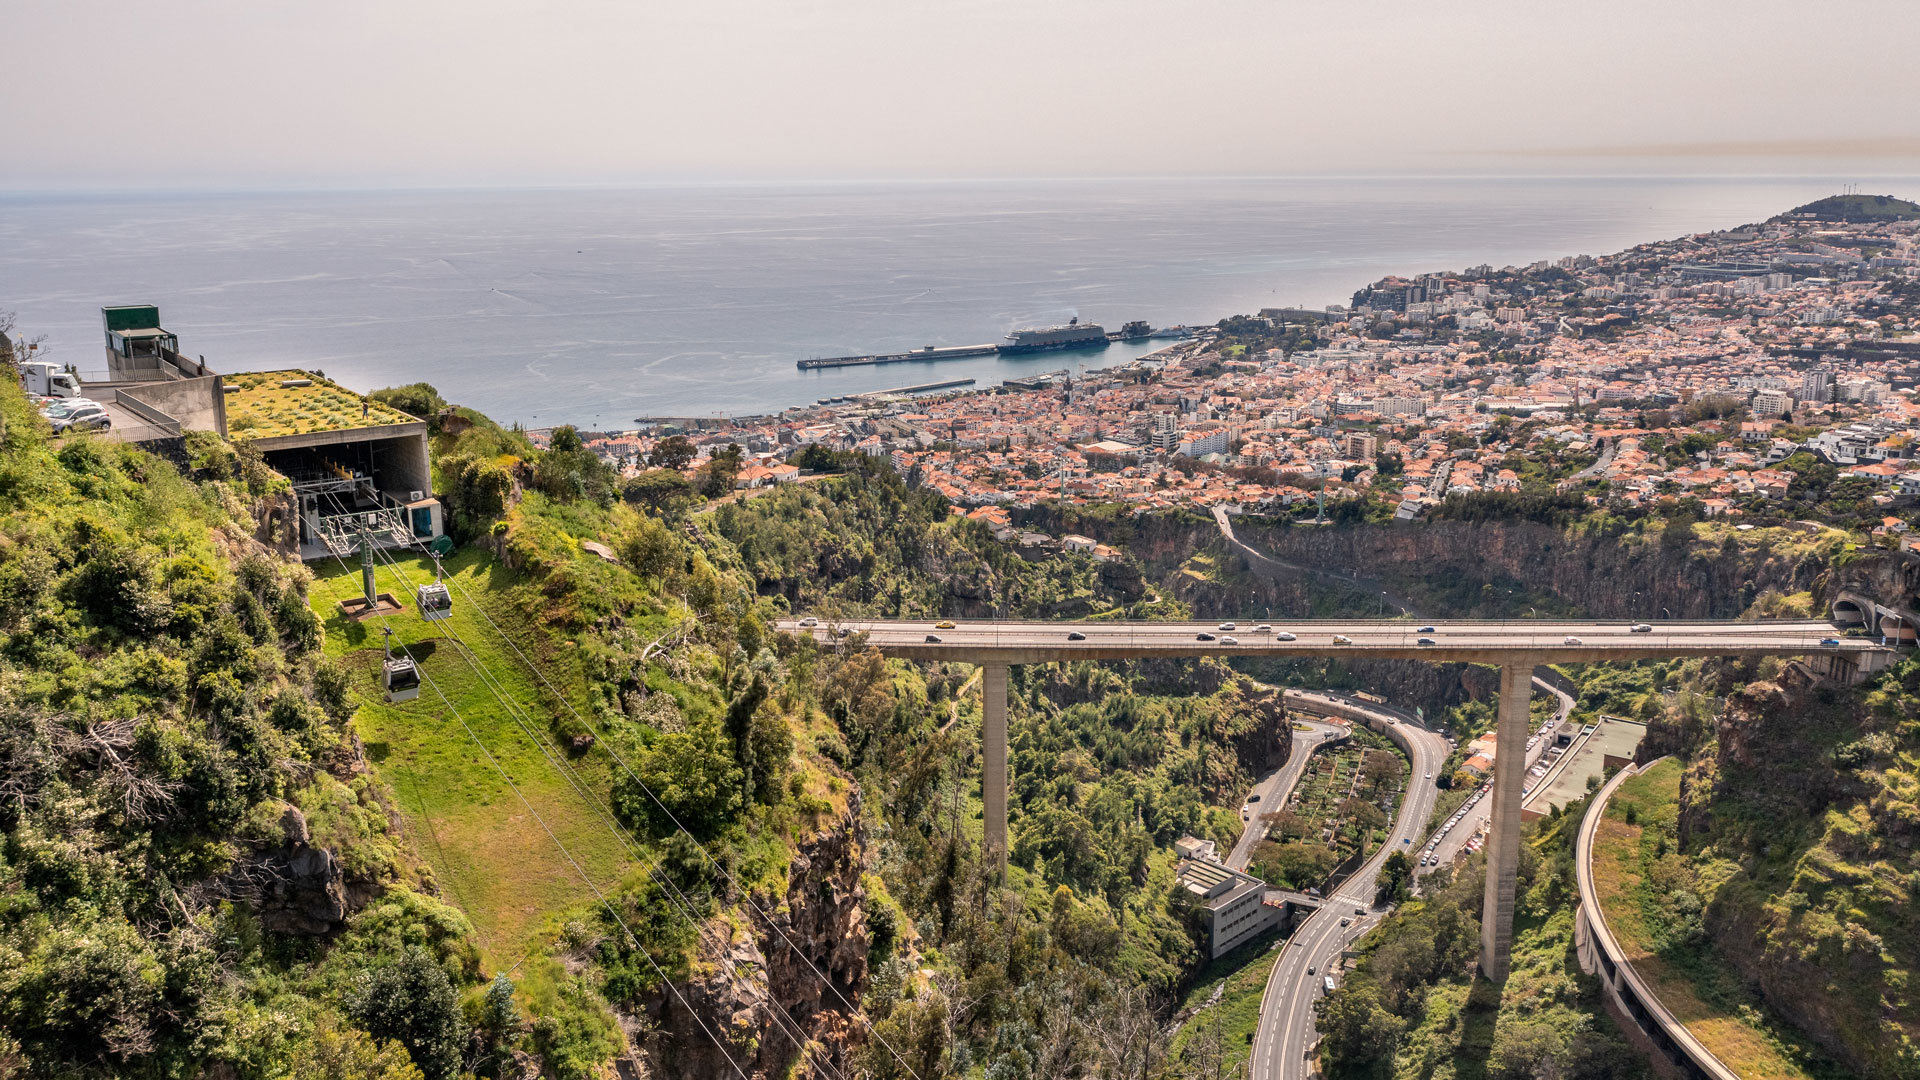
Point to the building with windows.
(1236, 903)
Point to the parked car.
(88, 417)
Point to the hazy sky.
(280, 93)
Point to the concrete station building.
(349, 458)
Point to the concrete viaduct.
(1516, 647)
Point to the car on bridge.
(1263, 628)
(1075, 635)
(1229, 639)
(1426, 641)
(933, 639)
(1342, 639)
(1425, 630)
(1228, 626)
(943, 624)
(1203, 636)
(1284, 636)
(1640, 628)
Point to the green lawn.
(489, 853)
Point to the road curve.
(1274, 789)
(1286, 1025)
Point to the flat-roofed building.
(350, 458)
(1235, 902)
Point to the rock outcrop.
(780, 991)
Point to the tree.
(419, 400)
(335, 1052)
(1395, 874)
(693, 775)
(717, 475)
(566, 439)
(658, 490)
(673, 452)
(1357, 1028)
(412, 1001)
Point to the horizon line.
(636, 184)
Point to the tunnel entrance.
(1849, 613)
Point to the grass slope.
(491, 856)
(1637, 869)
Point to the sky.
(105, 94)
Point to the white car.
(1228, 626)
(1342, 639)
(1571, 640)
(1229, 639)
(1284, 636)
(1263, 628)
(809, 621)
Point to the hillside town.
(1691, 368)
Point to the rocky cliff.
(781, 996)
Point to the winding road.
(1273, 790)
(1286, 1025)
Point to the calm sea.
(598, 306)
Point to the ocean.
(598, 306)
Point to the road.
(1476, 818)
(1350, 581)
(1599, 466)
(1475, 641)
(1286, 1010)
(1274, 789)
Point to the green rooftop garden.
(261, 406)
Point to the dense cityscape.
(1693, 368)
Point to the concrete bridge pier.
(1503, 835)
(993, 766)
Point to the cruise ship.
(1074, 335)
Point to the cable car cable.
(744, 894)
(791, 1028)
(604, 902)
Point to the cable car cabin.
(435, 602)
(402, 678)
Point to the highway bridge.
(1516, 646)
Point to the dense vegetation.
(1412, 1009)
(170, 736)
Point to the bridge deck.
(1477, 641)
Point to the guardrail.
(152, 417)
(1600, 954)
